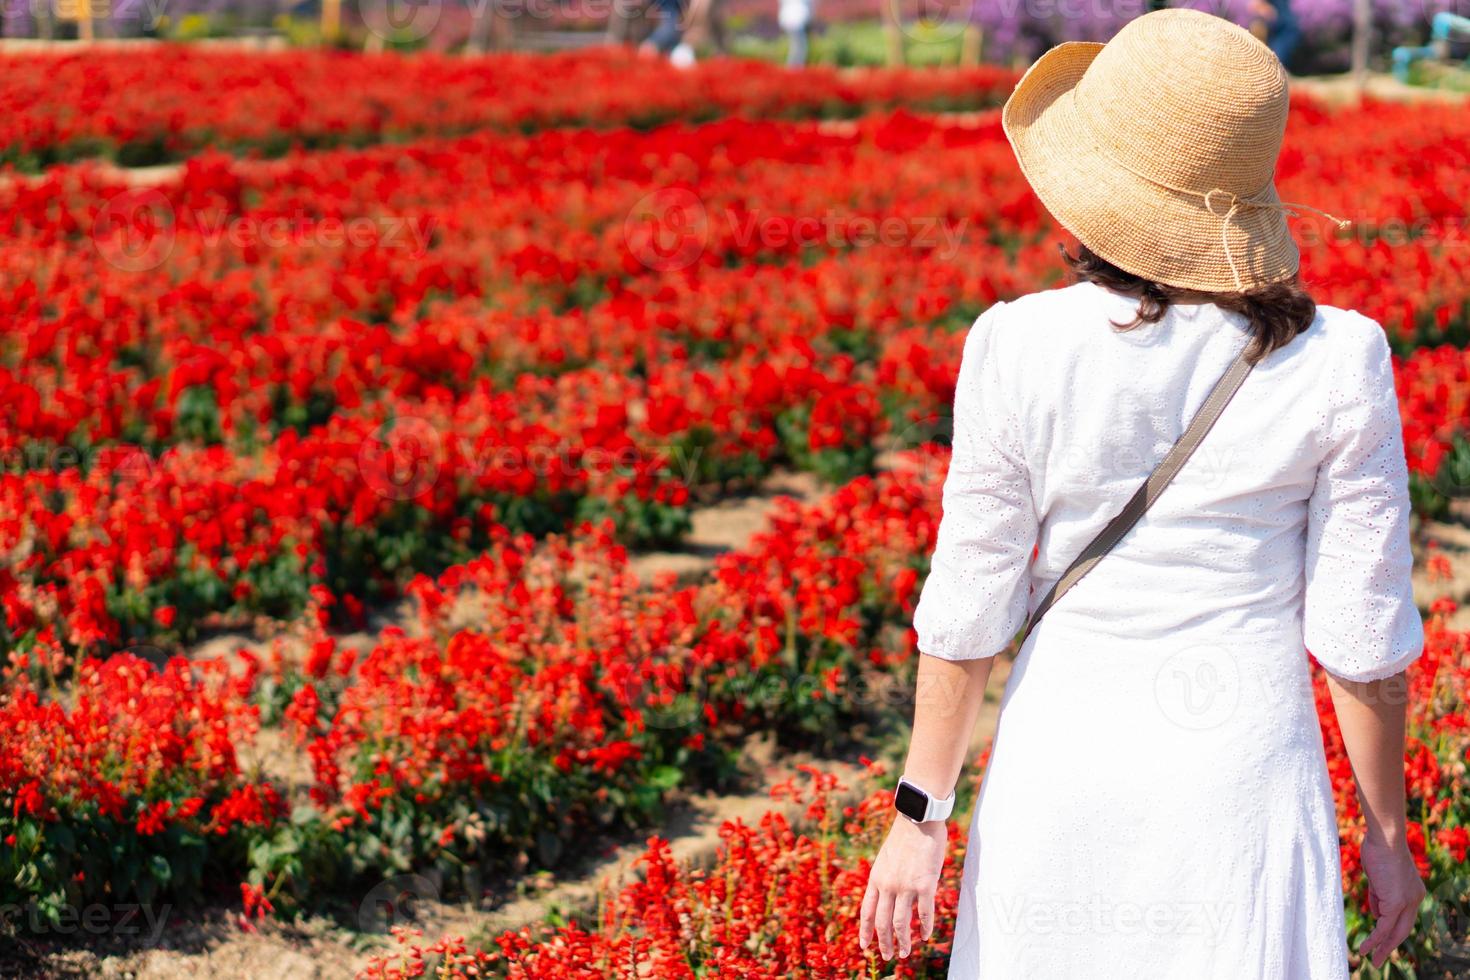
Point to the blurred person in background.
(667, 38)
(795, 19)
(1274, 22)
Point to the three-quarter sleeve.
(975, 598)
(1360, 620)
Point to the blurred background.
(1426, 41)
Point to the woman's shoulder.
(1346, 329)
(1344, 355)
(1069, 318)
(1346, 339)
(1046, 304)
(1066, 310)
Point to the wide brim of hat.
(1141, 227)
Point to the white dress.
(1157, 806)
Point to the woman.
(1156, 804)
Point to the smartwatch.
(915, 803)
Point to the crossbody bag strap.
(1149, 491)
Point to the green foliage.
(197, 416)
(530, 814)
(85, 858)
(835, 464)
(1431, 497)
(862, 44)
(641, 523)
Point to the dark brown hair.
(1277, 312)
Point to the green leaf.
(665, 778)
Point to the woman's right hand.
(905, 877)
(1394, 893)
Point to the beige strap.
(1146, 494)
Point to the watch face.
(911, 801)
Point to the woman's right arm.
(905, 875)
(974, 601)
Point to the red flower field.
(441, 330)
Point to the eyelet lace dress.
(1157, 804)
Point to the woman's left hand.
(1394, 893)
(905, 878)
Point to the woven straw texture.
(1158, 150)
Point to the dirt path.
(727, 525)
(1344, 90)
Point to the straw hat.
(1158, 149)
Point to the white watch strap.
(935, 808)
(939, 809)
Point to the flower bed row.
(371, 243)
(577, 700)
(784, 899)
(167, 102)
(275, 404)
(128, 790)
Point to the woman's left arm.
(1360, 620)
(1371, 716)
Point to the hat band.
(1237, 204)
